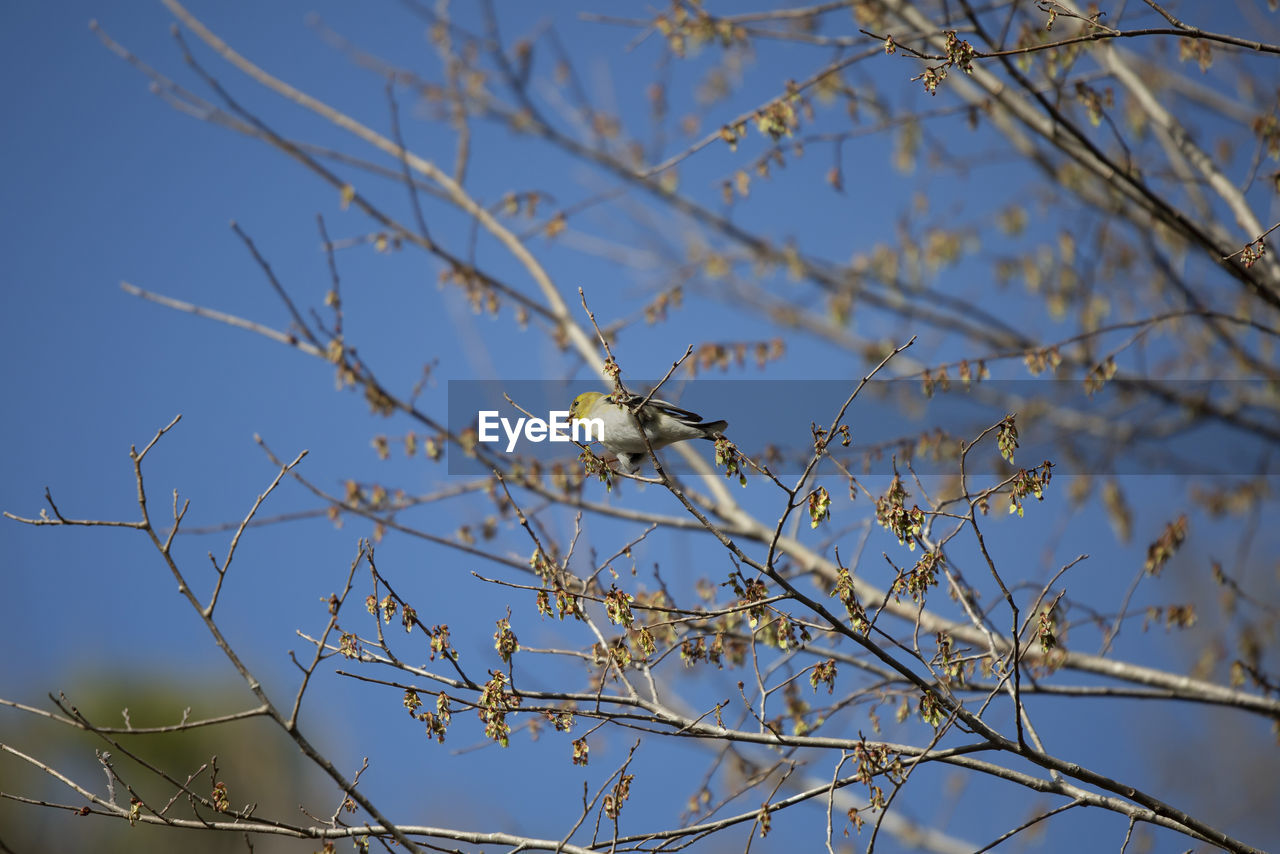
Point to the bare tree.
(1087, 197)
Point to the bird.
(664, 424)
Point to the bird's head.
(581, 406)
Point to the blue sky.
(107, 184)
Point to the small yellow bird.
(663, 423)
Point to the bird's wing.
(663, 406)
(690, 418)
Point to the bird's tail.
(711, 430)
